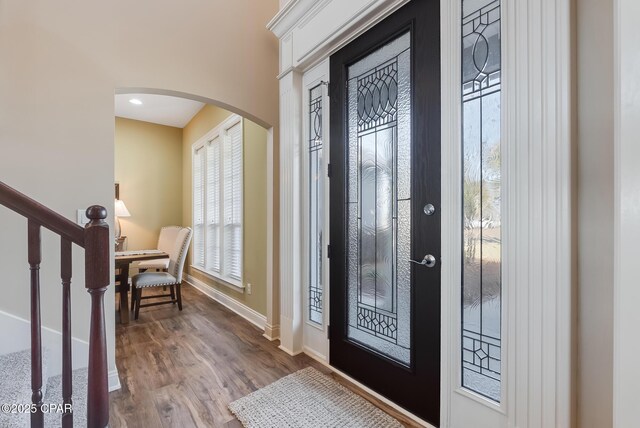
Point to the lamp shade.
(121, 209)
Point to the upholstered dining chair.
(172, 278)
(166, 239)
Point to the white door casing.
(537, 258)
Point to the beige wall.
(62, 62)
(595, 212)
(148, 166)
(254, 205)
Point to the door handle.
(428, 261)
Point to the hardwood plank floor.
(182, 369)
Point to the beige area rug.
(308, 399)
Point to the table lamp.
(120, 211)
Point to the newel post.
(96, 239)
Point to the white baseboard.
(316, 355)
(271, 332)
(254, 317)
(15, 335)
(289, 351)
(114, 381)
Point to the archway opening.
(173, 167)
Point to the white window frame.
(220, 132)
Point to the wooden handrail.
(94, 238)
(40, 214)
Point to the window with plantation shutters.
(233, 201)
(217, 202)
(198, 206)
(213, 205)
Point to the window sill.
(230, 283)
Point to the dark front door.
(385, 208)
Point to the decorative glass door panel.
(378, 206)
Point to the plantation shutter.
(198, 206)
(232, 183)
(213, 205)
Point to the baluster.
(35, 257)
(97, 245)
(67, 367)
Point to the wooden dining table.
(123, 261)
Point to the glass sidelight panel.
(316, 205)
(379, 188)
(482, 234)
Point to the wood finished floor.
(182, 369)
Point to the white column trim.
(540, 276)
(272, 326)
(290, 213)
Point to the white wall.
(60, 63)
(627, 215)
(595, 212)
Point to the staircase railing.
(94, 238)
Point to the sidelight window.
(481, 181)
(316, 205)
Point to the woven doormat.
(308, 399)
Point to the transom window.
(217, 202)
